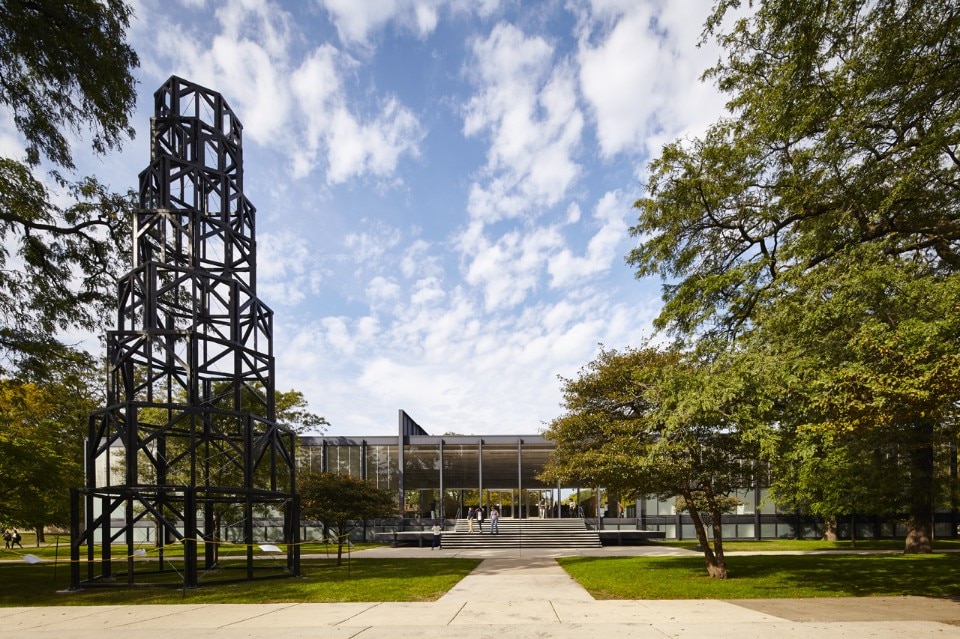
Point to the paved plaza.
(510, 594)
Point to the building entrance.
(504, 499)
(539, 503)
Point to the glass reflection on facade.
(442, 476)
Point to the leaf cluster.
(338, 500)
(844, 132)
(652, 421)
(65, 67)
(42, 429)
(66, 72)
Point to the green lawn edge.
(322, 581)
(768, 576)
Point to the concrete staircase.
(525, 533)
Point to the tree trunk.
(920, 522)
(41, 538)
(341, 537)
(716, 564)
(217, 520)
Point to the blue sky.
(444, 187)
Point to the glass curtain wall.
(421, 479)
(461, 477)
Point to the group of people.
(11, 538)
(473, 515)
(476, 515)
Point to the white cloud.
(527, 106)
(358, 20)
(603, 248)
(640, 69)
(287, 269)
(427, 291)
(382, 290)
(453, 366)
(369, 246)
(356, 148)
(418, 261)
(291, 98)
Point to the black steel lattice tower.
(188, 436)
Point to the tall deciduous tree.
(657, 422)
(340, 501)
(842, 151)
(869, 373)
(65, 70)
(42, 427)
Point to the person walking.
(471, 515)
(16, 539)
(494, 521)
(437, 532)
(480, 518)
(7, 538)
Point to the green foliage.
(818, 230)
(65, 68)
(845, 133)
(658, 422)
(339, 501)
(42, 428)
(291, 411)
(65, 71)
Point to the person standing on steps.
(494, 521)
(471, 515)
(480, 518)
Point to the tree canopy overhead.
(66, 72)
(66, 69)
(844, 131)
(817, 228)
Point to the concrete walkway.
(510, 594)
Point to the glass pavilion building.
(439, 477)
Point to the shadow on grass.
(322, 581)
(770, 576)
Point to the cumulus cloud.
(603, 248)
(453, 366)
(369, 245)
(291, 96)
(358, 20)
(287, 268)
(639, 72)
(526, 105)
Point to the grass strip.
(768, 576)
(322, 581)
(780, 545)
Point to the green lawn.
(768, 576)
(322, 581)
(54, 548)
(779, 545)
(359, 579)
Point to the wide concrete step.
(529, 533)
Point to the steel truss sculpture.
(188, 441)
